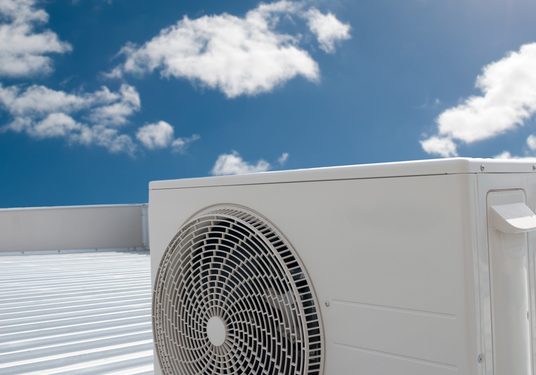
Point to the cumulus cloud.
(154, 136)
(237, 55)
(327, 29)
(24, 45)
(441, 146)
(507, 101)
(161, 135)
(229, 164)
(82, 118)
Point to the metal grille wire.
(230, 263)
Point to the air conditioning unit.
(413, 268)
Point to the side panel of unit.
(391, 260)
(507, 275)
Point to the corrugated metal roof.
(75, 313)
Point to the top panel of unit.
(362, 171)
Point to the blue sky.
(99, 97)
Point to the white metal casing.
(398, 255)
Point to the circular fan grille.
(231, 297)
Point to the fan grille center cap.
(216, 331)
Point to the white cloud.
(180, 144)
(506, 155)
(154, 136)
(328, 29)
(162, 135)
(229, 164)
(441, 146)
(55, 125)
(508, 99)
(282, 160)
(109, 138)
(531, 142)
(24, 49)
(41, 112)
(38, 100)
(86, 118)
(237, 55)
(122, 105)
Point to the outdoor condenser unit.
(414, 268)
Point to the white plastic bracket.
(513, 218)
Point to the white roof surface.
(380, 170)
(75, 313)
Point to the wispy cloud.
(237, 55)
(328, 29)
(282, 160)
(508, 100)
(24, 44)
(90, 118)
(182, 143)
(93, 118)
(118, 108)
